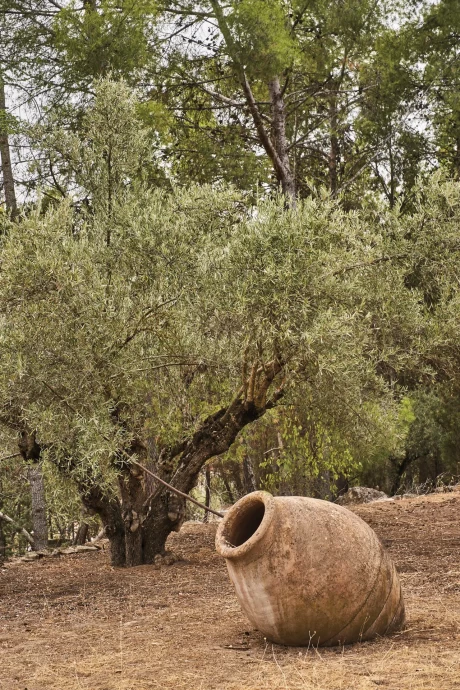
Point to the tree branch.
(13, 455)
(251, 102)
(221, 97)
(174, 490)
(367, 264)
(18, 528)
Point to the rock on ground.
(360, 494)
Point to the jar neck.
(244, 529)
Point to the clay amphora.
(309, 572)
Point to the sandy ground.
(75, 623)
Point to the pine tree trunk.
(284, 173)
(249, 481)
(39, 521)
(457, 158)
(392, 181)
(31, 453)
(235, 471)
(207, 500)
(7, 170)
(276, 148)
(2, 535)
(82, 534)
(2, 545)
(334, 152)
(228, 488)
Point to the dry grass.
(78, 624)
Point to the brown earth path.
(75, 623)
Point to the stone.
(86, 547)
(31, 556)
(360, 494)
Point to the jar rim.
(246, 523)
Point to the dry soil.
(76, 623)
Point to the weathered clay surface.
(309, 572)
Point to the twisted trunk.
(139, 524)
(140, 521)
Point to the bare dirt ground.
(75, 623)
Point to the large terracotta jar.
(309, 572)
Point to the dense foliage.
(224, 223)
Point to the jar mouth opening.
(244, 524)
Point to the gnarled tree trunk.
(140, 521)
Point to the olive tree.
(144, 326)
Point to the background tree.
(50, 55)
(356, 109)
(295, 80)
(436, 45)
(9, 190)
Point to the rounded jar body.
(309, 572)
